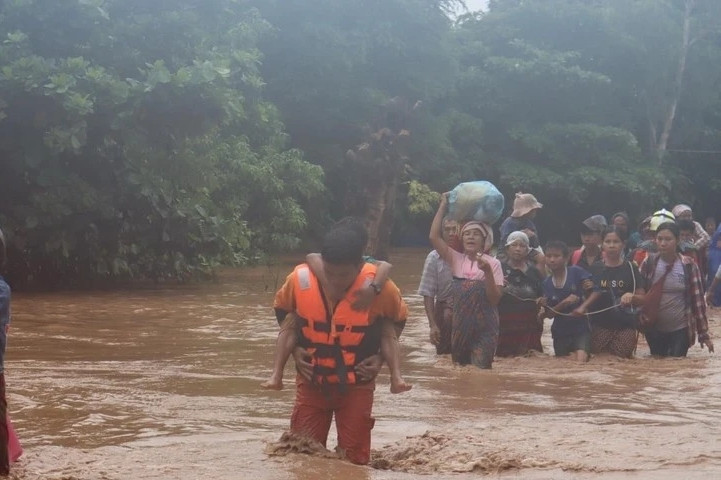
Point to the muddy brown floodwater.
(163, 384)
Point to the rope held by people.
(561, 313)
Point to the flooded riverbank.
(163, 384)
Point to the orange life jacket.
(331, 338)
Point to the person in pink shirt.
(475, 291)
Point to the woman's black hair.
(558, 245)
(671, 227)
(614, 229)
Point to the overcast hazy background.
(476, 4)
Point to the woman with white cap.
(520, 329)
(476, 290)
(649, 227)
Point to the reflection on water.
(163, 383)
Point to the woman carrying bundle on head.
(476, 290)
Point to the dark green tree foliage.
(577, 98)
(147, 138)
(333, 65)
(135, 141)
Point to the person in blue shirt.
(4, 325)
(714, 263)
(568, 291)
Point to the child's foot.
(274, 383)
(398, 385)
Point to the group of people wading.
(599, 296)
(340, 315)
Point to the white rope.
(561, 313)
(570, 314)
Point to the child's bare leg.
(390, 350)
(283, 349)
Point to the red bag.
(652, 302)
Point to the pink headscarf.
(680, 208)
(485, 230)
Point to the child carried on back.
(288, 336)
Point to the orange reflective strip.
(325, 362)
(349, 358)
(350, 378)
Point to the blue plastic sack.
(479, 200)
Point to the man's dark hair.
(356, 224)
(558, 245)
(686, 225)
(345, 242)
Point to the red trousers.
(314, 410)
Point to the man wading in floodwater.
(337, 357)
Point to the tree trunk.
(374, 217)
(652, 132)
(378, 165)
(678, 84)
(379, 219)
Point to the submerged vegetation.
(162, 139)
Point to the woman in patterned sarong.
(520, 329)
(475, 291)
